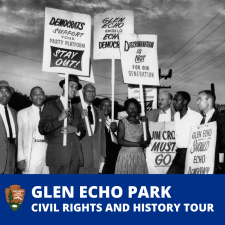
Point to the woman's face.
(132, 109)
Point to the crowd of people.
(32, 139)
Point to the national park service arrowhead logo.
(14, 196)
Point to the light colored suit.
(4, 144)
(93, 147)
(153, 115)
(26, 136)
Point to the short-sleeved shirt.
(183, 126)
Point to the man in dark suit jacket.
(112, 149)
(164, 112)
(206, 104)
(8, 130)
(93, 147)
(63, 159)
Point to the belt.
(39, 140)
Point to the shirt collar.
(86, 105)
(166, 112)
(36, 107)
(3, 106)
(210, 113)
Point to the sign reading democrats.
(161, 151)
(67, 42)
(201, 149)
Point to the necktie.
(8, 121)
(107, 123)
(70, 113)
(40, 112)
(90, 115)
(203, 119)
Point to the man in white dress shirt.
(31, 144)
(184, 119)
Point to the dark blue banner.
(111, 199)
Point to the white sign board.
(201, 149)
(150, 96)
(107, 27)
(139, 59)
(161, 151)
(67, 42)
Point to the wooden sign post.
(106, 39)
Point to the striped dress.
(131, 160)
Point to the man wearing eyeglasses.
(63, 159)
(93, 147)
(8, 130)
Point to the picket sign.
(66, 76)
(86, 118)
(107, 26)
(68, 53)
(200, 156)
(113, 86)
(139, 62)
(143, 111)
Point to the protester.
(112, 149)
(63, 159)
(184, 119)
(31, 144)
(8, 130)
(93, 147)
(131, 158)
(164, 112)
(206, 104)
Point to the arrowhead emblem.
(14, 196)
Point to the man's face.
(164, 101)
(72, 89)
(203, 103)
(178, 102)
(37, 97)
(5, 95)
(106, 107)
(89, 93)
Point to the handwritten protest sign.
(201, 149)
(161, 151)
(67, 42)
(107, 27)
(150, 96)
(139, 59)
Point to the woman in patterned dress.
(131, 158)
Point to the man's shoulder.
(193, 112)
(24, 111)
(153, 111)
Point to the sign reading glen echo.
(107, 27)
(139, 59)
(67, 42)
(201, 149)
(162, 149)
